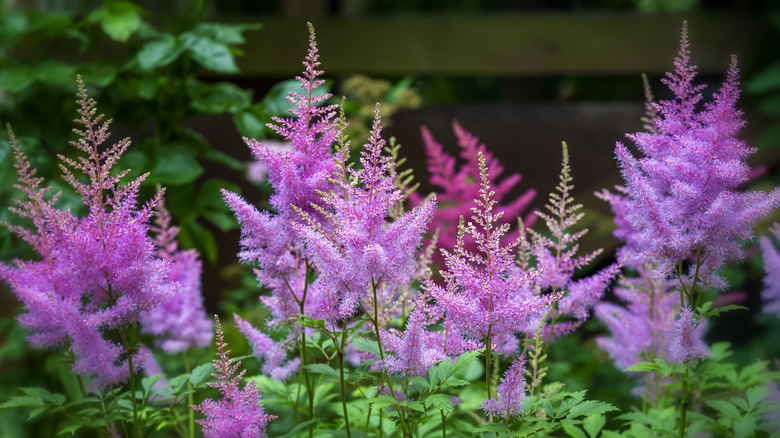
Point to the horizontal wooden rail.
(511, 44)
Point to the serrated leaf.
(71, 429)
(210, 54)
(382, 401)
(593, 424)
(45, 395)
(644, 367)
(148, 382)
(118, 19)
(417, 382)
(755, 395)
(414, 405)
(455, 383)
(495, 427)
(745, 427)
(440, 401)
(176, 165)
(366, 345)
(199, 373)
(724, 407)
(590, 407)
(22, 401)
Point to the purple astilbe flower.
(298, 175)
(180, 321)
(414, 352)
(459, 187)
(484, 296)
(771, 292)
(239, 412)
(687, 345)
(643, 327)
(362, 248)
(96, 273)
(273, 353)
(556, 258)
(511, 392)
(682, 194)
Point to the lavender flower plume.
(180, 321)
(511, 392)
(687, 346)
(300, 174)
(484, 296)
(682, 195)
(556, 257)
(273, 353)
(357, 248)
(417, 350)
(771, 292)
(239, 412)
(456, 188)
(96, 273)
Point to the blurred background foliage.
(168, 74)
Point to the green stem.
(443, 425)
(343, 381)
(488, 361)
(128, 350)
(684, 401)
(190, 397)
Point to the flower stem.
(343, 381)
(684, 401)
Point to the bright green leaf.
(209, 54)
(118, 19)
(440, 401)
(321, 368)
(159, 53)
(590, 407)
(176, 165)
(593, 424)
(225, 33)
(572, 430)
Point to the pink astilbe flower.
(556, 258)
(362, 249)
(687, 345)
(457, 188)
(179, 322)
(416, 350)
(484, 295)
(682, 195)
(96, 273)
(511, 392)
(273, 353)
(238, 414)
(771, 292)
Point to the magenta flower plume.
(417, 350)
(458, 188)
(238, 414)
(682, 195)
(687, 345)
(362, 248)
(273, 353)
(771, 292)
(180, 321)
(511, 392)
(96, 273)
(299, 174)
(484, 295)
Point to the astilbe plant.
(457, 186)
(771, 292)
(485, 296)
(179, 322)
(96, 273)
(238, 413)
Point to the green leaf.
(71, 429)
(593, 424)
(176, 165)
(413, 405)
(366, 345)
(644, 367)
(118, 19)
(225, 159)
(726, 408)
(745, 426)
(418, 383)
(590, 407)
(755, 395)
(45, 395)
(217, 98)
(225, 33)
(249, 125)
(321, 368)
(55, 74)
(15, 78)
(159, 53)
(382, 401)
(148, 382)
(22, 401)
(275, 101)
(440, 401)
(210, 54)
(572, 430)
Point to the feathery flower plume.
(459, 187)
(682, 195)
(511, 392)
(771, 292)
(687, 346)
(180, 321)
(484, 295)
(417, 350)
(362, 249)
(273, 353)
(239, 412)
(96, 273)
